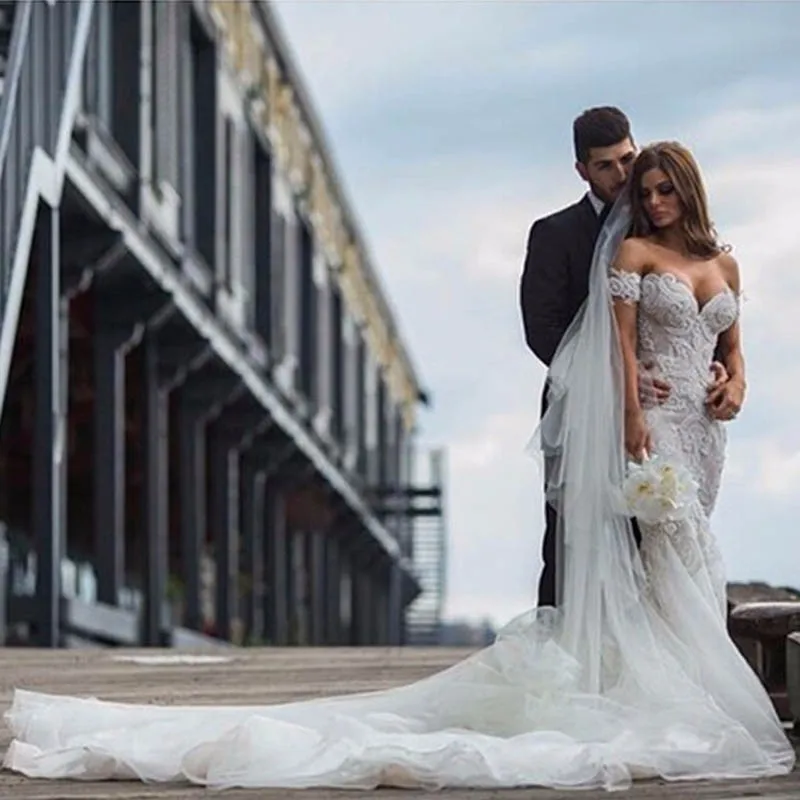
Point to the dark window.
(263, 244)
(278, 286)
(381, 476)
(337, 373)
(165, 79)
(204, 104)
(399, 477)
(227, 221)
(308, 314)
(99, 66)
(126, 34)
(361, 405)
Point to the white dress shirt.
(597, 204)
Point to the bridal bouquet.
(658, 490)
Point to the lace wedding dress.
(636, 677)
(678, 337)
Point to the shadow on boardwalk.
(259, 676)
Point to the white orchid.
(658, 490)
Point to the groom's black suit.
(555, 283)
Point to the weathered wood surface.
(257, 676)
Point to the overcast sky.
(450, 120)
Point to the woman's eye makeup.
(663, 189)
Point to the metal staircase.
(424, 615)
(42, 50)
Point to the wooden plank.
(264, 675)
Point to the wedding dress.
(635, 677)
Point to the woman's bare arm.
(625, 280)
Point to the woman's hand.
(637, 435)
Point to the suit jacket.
(555, 278)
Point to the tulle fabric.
(626, 680)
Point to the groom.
(555, 277)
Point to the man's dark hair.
(599, 127)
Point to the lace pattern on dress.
(625, 286)
(678, 336)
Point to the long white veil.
(607, 687)
(600, 576)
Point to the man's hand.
(719, 376)
(652, 391)
(725, 399)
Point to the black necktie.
(606, 210)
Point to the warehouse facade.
(208, 410)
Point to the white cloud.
(779, 469)
(743, 125)
(358, 50)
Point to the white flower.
(658, 490)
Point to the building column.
(277, 549)
(50, 426)
(123, 307)
(317, 580)
(192, 488)
(257, 555)
(362, 608)
(333, 591)
(395, 610)
(346, 621)
(109, 454)
(155, 423)
(223, 516)
(252, 547)
(298, 587)
(202, 396)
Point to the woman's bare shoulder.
(729, 267)
(634, 255)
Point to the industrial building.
(209, 416)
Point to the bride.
(634, 674)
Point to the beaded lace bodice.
(674, 330)
(678, 336)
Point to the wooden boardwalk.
(257, 676)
